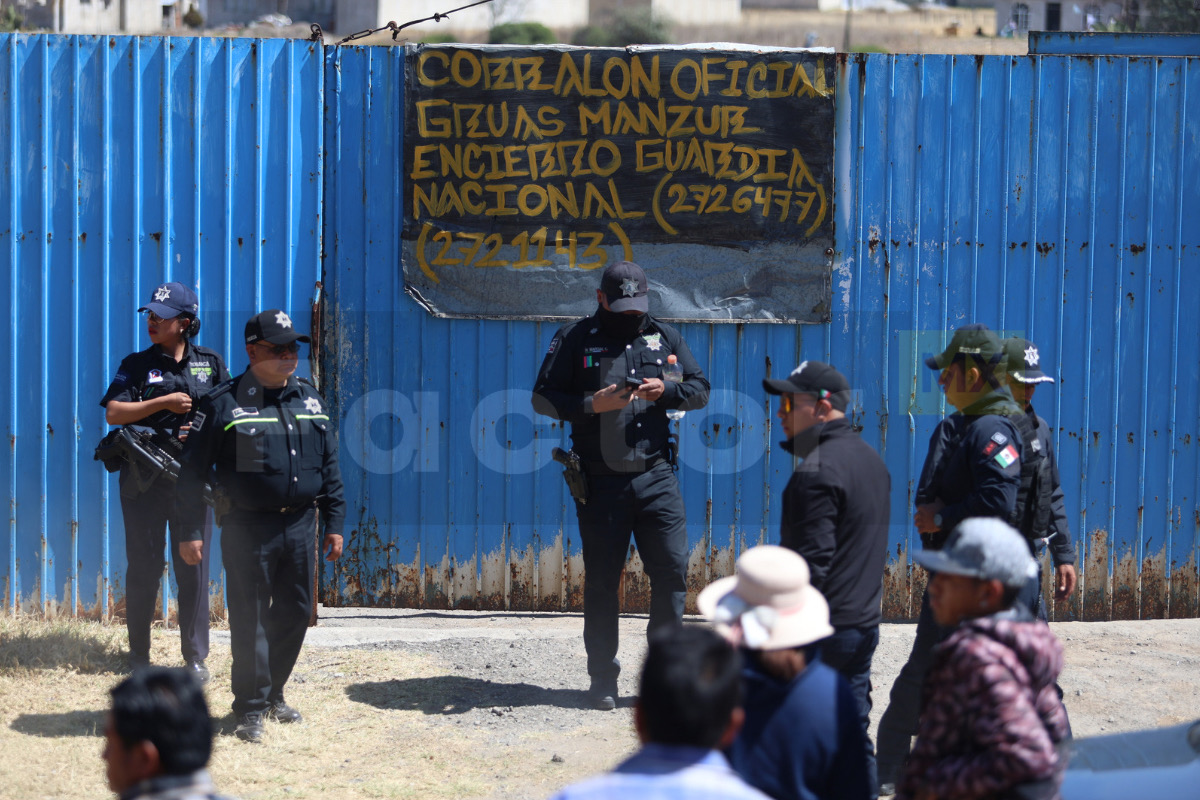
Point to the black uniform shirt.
(270, 449)
(583, 358)
(974, 462)
(152, 373)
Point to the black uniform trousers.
(269, 560)
(850, 651)
(899, 722)
(147, 516)
(649, 505)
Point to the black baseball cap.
(1023, 362)
(976, 341)
(816, 378)
(624, 285)
(273, 326)
(170, 300)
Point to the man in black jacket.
(607, 375)
(835, 514)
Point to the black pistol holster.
(573, 473)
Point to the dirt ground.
(442, 704)
(518, 679)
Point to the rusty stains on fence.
(574, 587)
(1154, 586)
(635, 585)
(1125, 600)
(897, 588)
(697, 575)
(1184, 584)
(493, 579)
(1095, 587)
(551, 569)
(522, 567)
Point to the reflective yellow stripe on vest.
(251, 419)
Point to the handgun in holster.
(573, 473)
(672, 454)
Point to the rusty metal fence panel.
(127, 162)
(1044, 196)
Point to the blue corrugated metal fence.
(1046, 196)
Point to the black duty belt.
(601, 468)
(275, 509)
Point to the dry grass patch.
(378, 724)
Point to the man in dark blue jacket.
(835, 514)
(606, 375)
(972, 469)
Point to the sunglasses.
(279, 350)
(157, 320)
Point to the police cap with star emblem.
(625, 286)
(816, 378)
(172, 299)
(1023, 362)
(273, 326)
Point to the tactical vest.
(1031, 514)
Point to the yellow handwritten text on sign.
(636, 76)
(582, 249)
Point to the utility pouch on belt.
(573, 473)
(109, 452)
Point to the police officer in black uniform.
(157, 389)
(606, 375)
(1044, 516)
(972, 469)
(265, 438)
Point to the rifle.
(573, 473)
(153, 456)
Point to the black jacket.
(1062, 551)
(583, 358)
(152, 373)
(974, 462)
(835, 514)
(270, 449)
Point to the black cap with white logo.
(816, 378)
(273, 326)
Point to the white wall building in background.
(1018, 17)
(360, 15)
(682, 12)
(100, 16)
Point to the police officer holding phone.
(607, 375)
(157, 389)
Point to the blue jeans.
(850, 651)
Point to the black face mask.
(620, 326)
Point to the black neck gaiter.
(620, 326)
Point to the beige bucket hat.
(769, 604)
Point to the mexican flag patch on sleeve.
(1006, 457)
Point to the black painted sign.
(527, 170)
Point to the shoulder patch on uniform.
(1007, 457)
(553, 345)
(1036, 445)
(990, 448)
(244, 411)
(999, 438)
(120, 377)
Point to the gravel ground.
(517, 681)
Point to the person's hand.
(651, 389)
(610, 398)
(924, 517)
(183, 432)
(1065, 580)
(178, 402)
(333, 547)
(191, 552)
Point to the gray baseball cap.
(985, 548)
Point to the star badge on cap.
(312, 405)
(283, 320)
(161, 294)
(1031, 356)
(629, 288)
